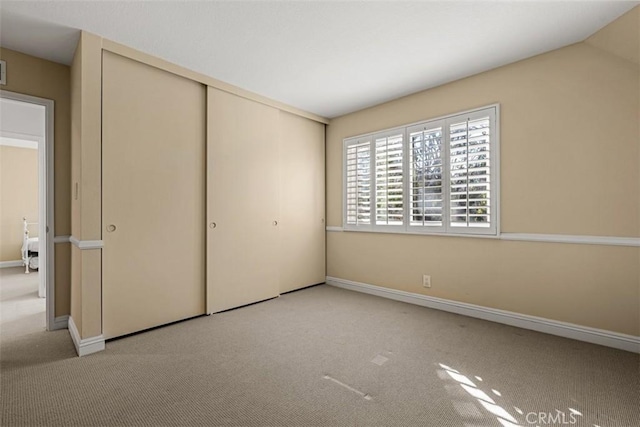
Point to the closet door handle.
(111, 228)
(212, 225)
(275, 223)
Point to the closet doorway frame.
(46, 223)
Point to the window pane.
(358, 197)
(389, 180)
(469, 173)
(425, 186)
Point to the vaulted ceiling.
(326, 57)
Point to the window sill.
(413, 233)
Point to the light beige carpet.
(321, 357)
(22, 312)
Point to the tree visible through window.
(425, 158)
(470, 173)
(435, 176)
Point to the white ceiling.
(326, 57)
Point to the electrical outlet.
(426, 281)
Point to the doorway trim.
(45, 200)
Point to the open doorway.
(26, 213)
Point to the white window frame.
(493, 231)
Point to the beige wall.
(37, 77)
(569, 165)
(18, 198)
(620, 37)
(76, 119)
(86, 203)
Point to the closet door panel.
(242, 201)
(154, 145)
(302, 203)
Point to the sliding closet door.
(302, 196)
(242, 201)
(153, 142)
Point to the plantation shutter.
(358, 182)
(389, 208)
(470, 178)
(426, 178)
(439, 176)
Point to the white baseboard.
(8, 264)
(540, 324)
(85, 346)
(60, 322)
